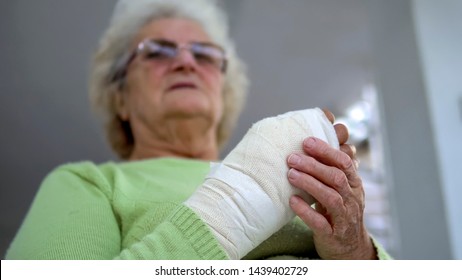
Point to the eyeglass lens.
(204, 54)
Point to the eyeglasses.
(164, 51)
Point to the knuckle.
(350, 150)
(319, 150)
(344, 160)
(334, 200)
(353, 149)
(310, 162)
(354, 207)
(322, 148)
(356, 181)
(339, 178)
(356, 163)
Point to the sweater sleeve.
(72, 218)
(382, 254)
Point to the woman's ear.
(120, 100)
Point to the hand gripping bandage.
(245, 198)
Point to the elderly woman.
(170, 86)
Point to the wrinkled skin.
(331, 177)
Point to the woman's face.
(180, 88)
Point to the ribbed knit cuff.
(381, 253)
(198, 234)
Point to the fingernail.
(309, 143)
(293, 174)
(294, 200)
(294, 159)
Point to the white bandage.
(245, 199)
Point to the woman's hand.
(331, 177)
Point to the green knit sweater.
(133, 210)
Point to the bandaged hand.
(245, 199)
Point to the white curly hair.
(128, 18)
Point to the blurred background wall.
(399, 57)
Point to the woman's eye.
(155, 55)
(201, 57)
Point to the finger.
(329, 115)
(356, 162)
(349, 149)
(316, 175)
(342, 133)
(330, 156)
(313, 219)
(328, 197)
(330, 176)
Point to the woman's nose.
(184, 60)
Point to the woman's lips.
(182, 85)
